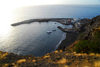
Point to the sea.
(33, 39)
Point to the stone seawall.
(61, 20)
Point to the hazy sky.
(19, 3)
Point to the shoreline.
(63, 56)
(70, 38)
(63, 38)
(71, 34)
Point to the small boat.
(49, 32)
(54, 30)
(55, 23)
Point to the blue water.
(57, 11)
(32, 39)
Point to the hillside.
(89, 39)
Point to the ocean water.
(32, 39)
(57, 11)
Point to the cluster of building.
(76, 23)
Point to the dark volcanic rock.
(87, 29)
(70, 38)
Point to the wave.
(63, 38)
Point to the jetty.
(64, 21)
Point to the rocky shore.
(65, 55)
(74, 32)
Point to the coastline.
(60, 57)
(70, 38)
(63, 38)
(71, 34)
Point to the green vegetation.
(91, 45)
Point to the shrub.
(89, 46)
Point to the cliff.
(89, 38)
(82, 51)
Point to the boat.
(49, 32)
(54, 30)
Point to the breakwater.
(61, 20)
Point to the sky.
(21, 3)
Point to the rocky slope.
(55, 59)
(63, 57)
(89, 38)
